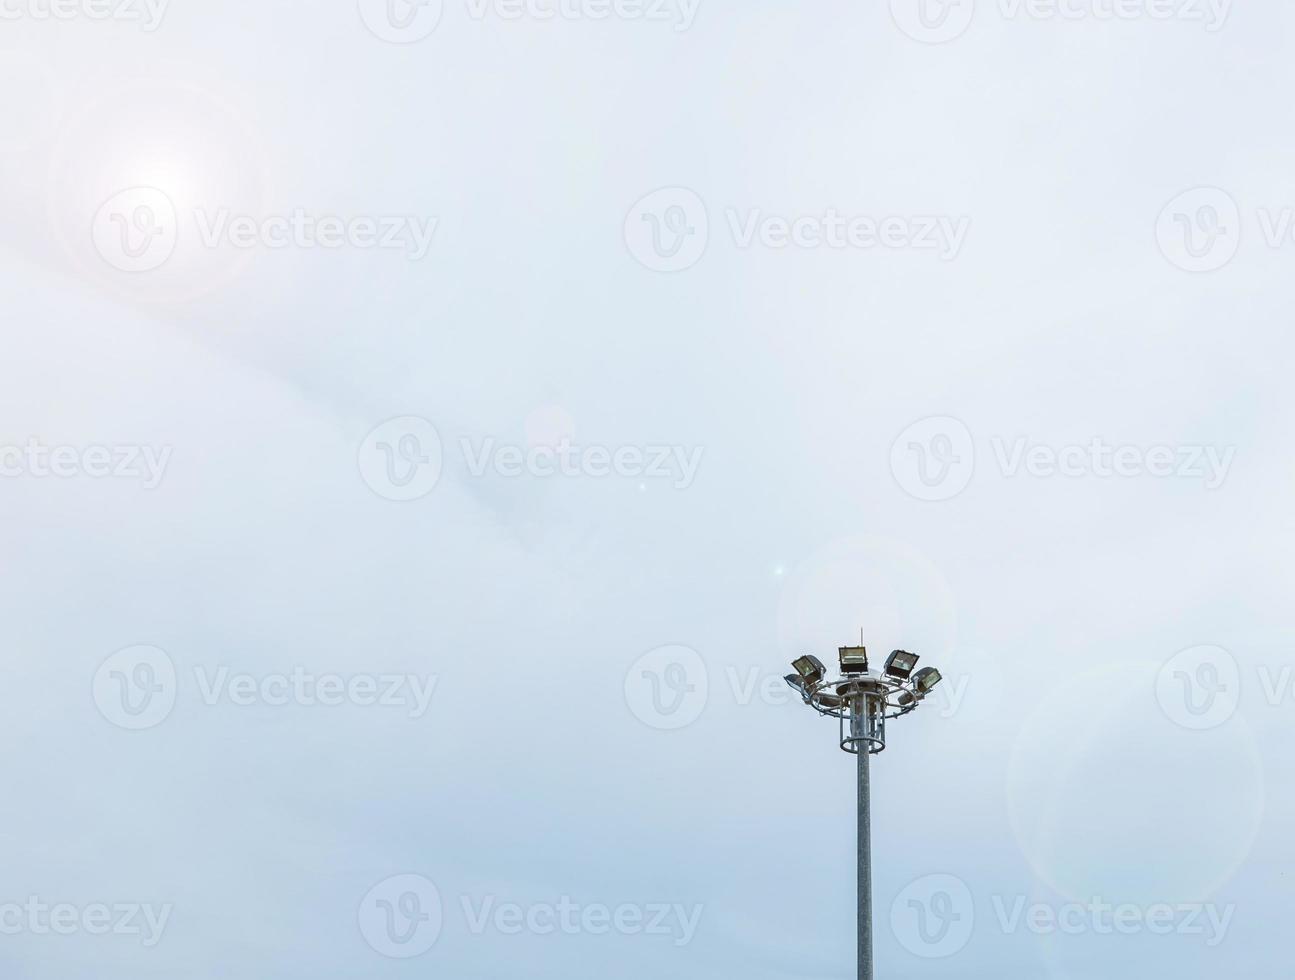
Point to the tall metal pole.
(864, 700)
(865, 859)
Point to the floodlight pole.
(865, 853)
(862, 701)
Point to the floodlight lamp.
(861, 701)
(924, 680)
(810, 669)
(900, 664)
(854, 660)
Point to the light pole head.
(861, 698)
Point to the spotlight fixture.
(924, 681)
(901, 663)
(863, 700)
(810, 668)
(854, 660)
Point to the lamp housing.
(901, 663)
(924, 680)
(854, 660)
(810, 669)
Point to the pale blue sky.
(1055, 768)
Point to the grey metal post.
(864, 700)
(865, 860)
